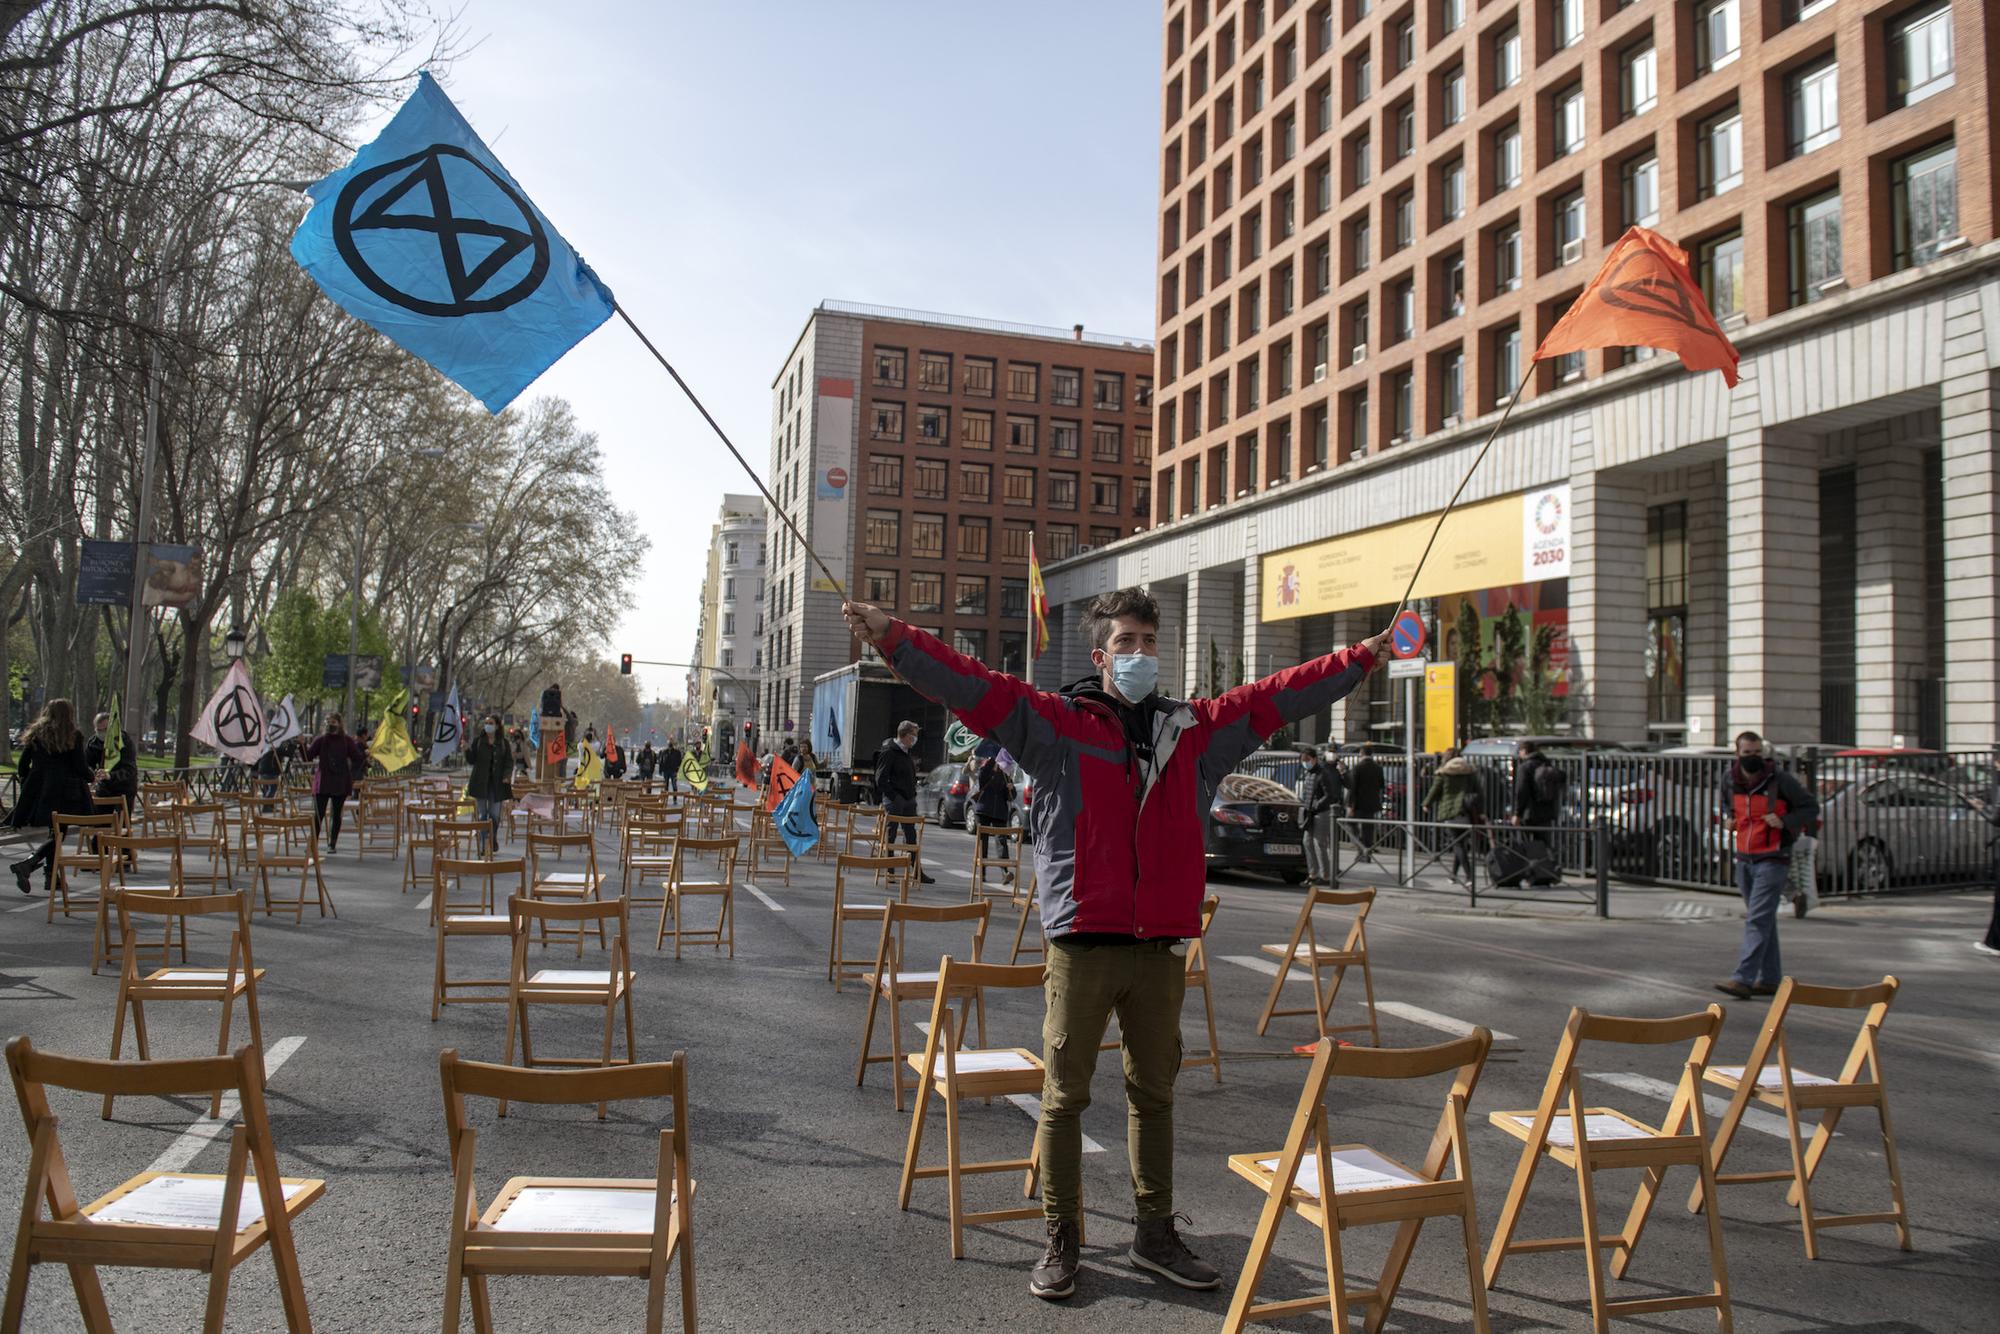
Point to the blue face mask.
(1135, 675)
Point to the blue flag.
(535, 729)
(427, 238)
(795, 819)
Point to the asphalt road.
(796, 1226)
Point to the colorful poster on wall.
(1522, 538)
(833, 479)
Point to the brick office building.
(917, 452)
(1372, 211)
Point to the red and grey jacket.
(1120, 842)
(1746, 801)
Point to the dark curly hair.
(1108, 607)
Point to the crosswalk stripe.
(1770, 1123)
(207, 1129)
(424, 902)
(763, 898)
(962, 875)
(1443, 1023)
(1257, 965)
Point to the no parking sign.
(1408, 636)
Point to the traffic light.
(624, 664)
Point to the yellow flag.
(391, 747)
(592, 768)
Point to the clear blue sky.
(724, 167)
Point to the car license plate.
(1284, 849)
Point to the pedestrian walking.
(120, 779)
(1455, 798)
(489, 763)
(1365, 794)
(649, 760)
(1315, 802)
(1765, 809)
(670, 766)
(993, 799)
(1120, 888)
(896, 790)
(1539, 784)
(54, 771)
(336, 758)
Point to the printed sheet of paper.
(1769, 1077)
(176, 1201)
(1353, 1170)
(578, 1209)
(976, 1062)
(1598, 1126)
(571, 977)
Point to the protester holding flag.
(335, 756)
(114, 760)
(489, 779)
(54, 780)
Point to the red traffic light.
(624, 664)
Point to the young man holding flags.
(1123, 780)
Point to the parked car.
(1885, 829)
(941, 795)
(1254, 824)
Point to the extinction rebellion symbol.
(239, 720)
(490, 227)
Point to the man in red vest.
(1765, 809)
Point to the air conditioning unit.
(1319, 372)
(1572, 251)
(1357, 354)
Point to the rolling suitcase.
(1522, 860)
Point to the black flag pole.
(1477, 459)
(723, 436)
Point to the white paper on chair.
(1353, 1170)
(177, 1201)
(572, 977)
(1769, 1077)
(578, 1209)
(1599, 1126)
(979, 1062)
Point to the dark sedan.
(1254, 825)
(941, 795)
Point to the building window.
(1721, 153)
(975, 536)
(975, 483)
(1406, 130)
(970, 598)
(1287, 135)
(1815, 246)
(1362, 233)
(1403, 402)
(1014, 593)
(879, 587)
(927, 536)
(975, 429)
(1021, 434)
(934, 372)
(1142, 445)
(1920, 55)
(1362, 154)
(1019, 487)
(1142, 388)
(1062, 490)
(1812, 107)
(979, 377)
(1454, 95)
(885, 475)
(1065, 438)
(933, 423)
(1281, 453)
(1362, 81)
(1506, 364)
(1322, 180)
(888, 421)
(1451, 386)
(1406, 43)
(1507, 259)
(930, 479)
(1107, 391)
(1106, 443)
(1014, 540)
(1639, 80)
(1798, 11)
(1507, 57)
(1722, 274)
(1569, 120)
(1104, 495)
(1452, 190)
(1451, 15)
(926, 591)
(1569, 228)
(1924, 199)
(1567, 28)
(1065, 386)
(1403, 212)
(890, 364)
(1062, 541)
(1452, 274)
(1023, 381)
(1403, 301)
(1357, 427)
(1666, 613)
(1641, 182)
(882, 533)
(1718, 34)
(1507, 157)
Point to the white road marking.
(424, 902)
(206, 1130)
(1770, 1123)
(962, 875)
(1264, 966)
(1443, 1023)
(1032, 1105)
(30, 907)
(762, 897)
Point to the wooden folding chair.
(616, 1227)
(1030, 911)
(648, 850)
(455, 914)
(893, 981)
(86, 856)
(864, 832)
(145, 1222)
(115, 804)
(281, 843)
(683, 885)
(156, 804)
(250, 805)
(770, 855)
(1197, 976)
(582, 886)
(1303, 950)
(908, 841)
(238, 977)
(1780, 1084)
(835, 817)
(841, 966)
(420, 821)
(1610, 1140)
(124, 851)
(1368, 1185)
(1009, 866)
(609, 988)
(955, 1074)
(204, 827)
(378, 819)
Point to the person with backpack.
(1365, 792)
(1765, 810)
(1455, 798)
(993, 799)
(1539, 783)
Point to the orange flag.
(783, 778)
(1644, 296)
(746, 765)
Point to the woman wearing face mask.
(489, 782)
(335, 756)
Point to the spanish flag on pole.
(1038, 605)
